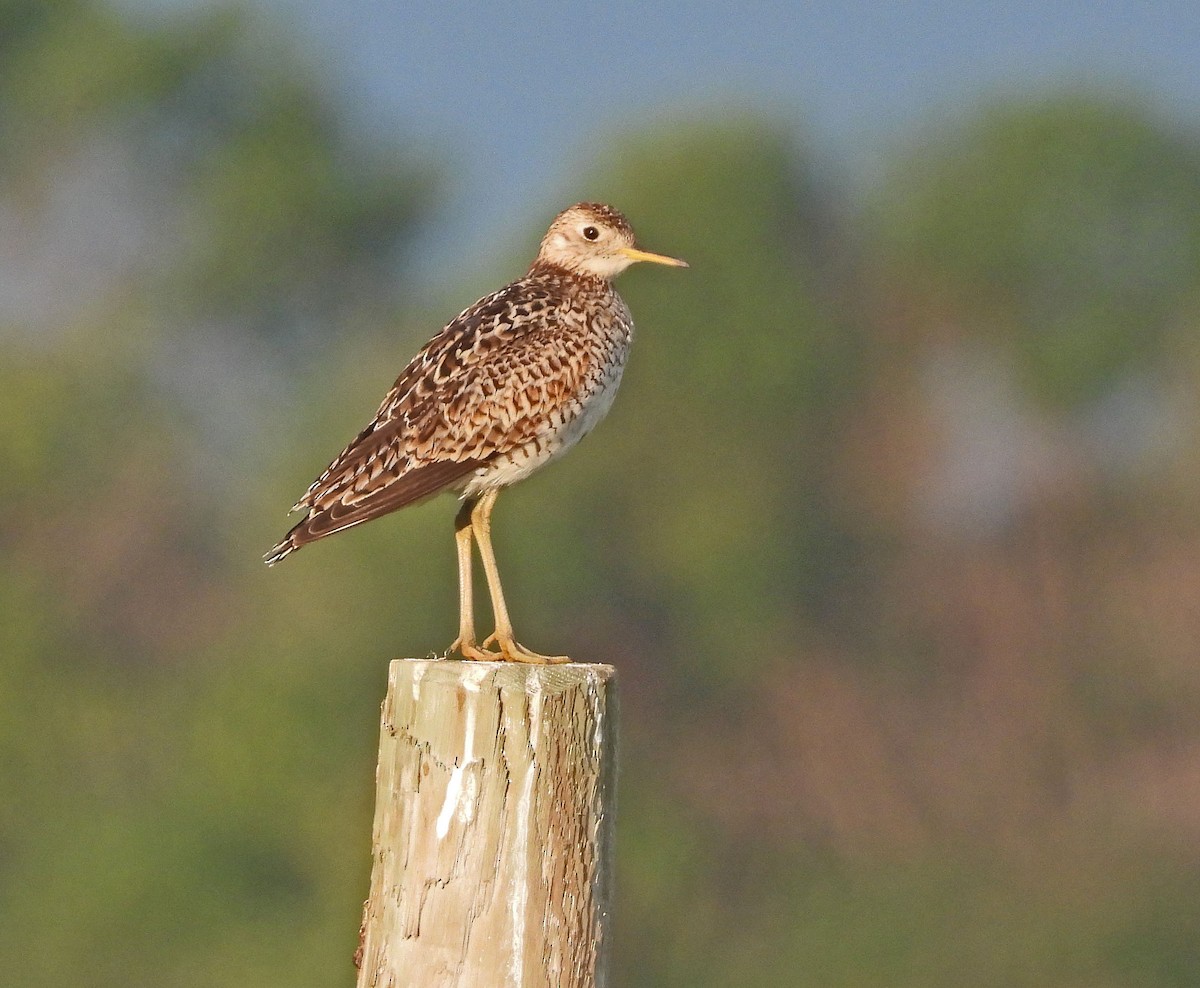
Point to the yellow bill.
(643, 255)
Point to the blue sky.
(514, 96)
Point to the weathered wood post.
(493, 835)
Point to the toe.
(469, 650)
(515, 652)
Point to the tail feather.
(281, 551)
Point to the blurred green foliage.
(861, 745)
(1068, 228)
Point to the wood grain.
(493, 827)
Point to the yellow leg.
(481, 523)
(464, 644)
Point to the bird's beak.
(642, 255)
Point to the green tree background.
(902, 587)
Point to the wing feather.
(469, 396)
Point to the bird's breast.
(558, 398)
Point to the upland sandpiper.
(508, 385)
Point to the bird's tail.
(284, 549)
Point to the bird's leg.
(481, 522)
(465, 642)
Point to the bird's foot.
(476, 653)
(513, 651)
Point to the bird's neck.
(549, 271)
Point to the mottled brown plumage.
(509, 384)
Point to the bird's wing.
(472, 344)
(499, 376)
(352, 508)
(469, 395)
(367, 487)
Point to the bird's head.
(595, 240)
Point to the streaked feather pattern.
(509, 384)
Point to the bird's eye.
(590, 233)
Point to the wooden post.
(493, 827)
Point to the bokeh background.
(892, 532)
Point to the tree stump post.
(493, 834)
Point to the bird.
(507, 386)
